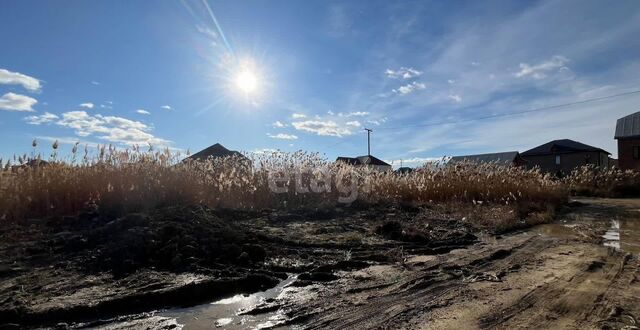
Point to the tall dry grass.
(612, 182)
(121, 181)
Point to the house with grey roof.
(509, 158)
(563, 156)
(628, 137)
(367, 161)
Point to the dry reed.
(132, 180)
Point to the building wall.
(568, 162)
(625, 154)
(382, 168)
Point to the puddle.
(612, 236)
(622, 234)
(223, 314)
(561, 230)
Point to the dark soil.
(93, 266)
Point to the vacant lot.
(355, 267)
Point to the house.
(368, 161)
(562, 156)
(216, 151)
(404, 170)
(509, 158)
(628, 136)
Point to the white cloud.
(354, 123)
(282, 136)
(409, 88)
(540, 71)
(455, 98)
(278, 124)
(403, 72)
(87, 105)
(41, 119)
(357, 114)
(143, 112)
(17, 102)
(323, 128)
(15, 78)
(451, 81)
(166, 107)
(298, 116)
(110, 128)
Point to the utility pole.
(368, 141)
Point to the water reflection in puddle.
(622, 233)
(223, 313)
(612, 236)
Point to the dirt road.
(554, 276)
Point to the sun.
(246, 81)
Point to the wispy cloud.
(455, 98)
(15, 78)
(166, 107)
(143, 112)
(298, 116)
(403, 72)
(540, 70)
(282, 136)
(409, 88)
(93, 82)
(41, 119)
(16, 102)
(87, 105)
(278, 124)
(357, 114)
(354, 123)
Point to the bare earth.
(553, 276)
(563, 275)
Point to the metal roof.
(628, 126)
(564, 146)
(506, 158)
(362, 160)
(370, 160)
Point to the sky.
(430, 78)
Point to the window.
(558, 160)
(636, 152)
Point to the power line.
(514, 113)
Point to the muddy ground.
(357, 268)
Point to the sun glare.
(246, 81)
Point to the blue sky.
(163, 72)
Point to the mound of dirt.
(181, 238)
